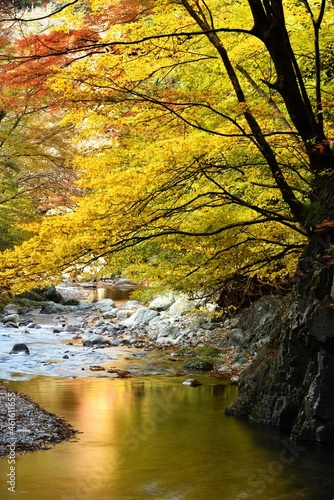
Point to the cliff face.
(290, 383)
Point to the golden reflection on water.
(153, 438)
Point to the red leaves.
(56, 43)
(325, 224)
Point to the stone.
(96, 341)
(165, 341)
(104, 305)
(11, 318)
(72, 328)
(237, 337)
(290, 382)
(124, 281)
(12, 309)
(110, 314)
(181, 306)
(123, 314)
(131, 304)
(33, 326)
(224, 369)
(20, 349)
(198, 364)
(115, 329)
(162, 302)
(169, 331)
(191, 382)
(141, 317)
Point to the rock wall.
(290, 383)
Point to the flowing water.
(154, 438)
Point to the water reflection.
(117, 293)
(156, 438)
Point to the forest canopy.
(195, 138)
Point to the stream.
(149, 436)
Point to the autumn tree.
(203, 134)
(35, 172)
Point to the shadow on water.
(156, 438)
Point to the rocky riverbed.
(172, 335)
(169, 335)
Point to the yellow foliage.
(163, 157)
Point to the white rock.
(105, 305)
(165, 341)
(162, 302)
(141, 317)
(181, 306)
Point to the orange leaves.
(325, 224)
(56, 43)
(121, 11)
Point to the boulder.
(141, 317)
(181, 306)
(20, 349)
(11, 318)
(162, 302)
(125, 282)
(33, 325)
(12, 309)
(290, 384)
(198, 364)
(104, 305)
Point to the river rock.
(104, 305)
(11, 318)
(96, 341)
(20, 349)
(33, 325)
(198, 364)
(181, 306)
(162, 302)
(169, 331)
(12, 309)
(131, 304)
(191, 382)
(72, 328)
(166, 341)
(110, 314)
(123, 315)
(141, 317)
(224, 370)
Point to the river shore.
(26, 426)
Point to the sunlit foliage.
(195, 158)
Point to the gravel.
(25, 426)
